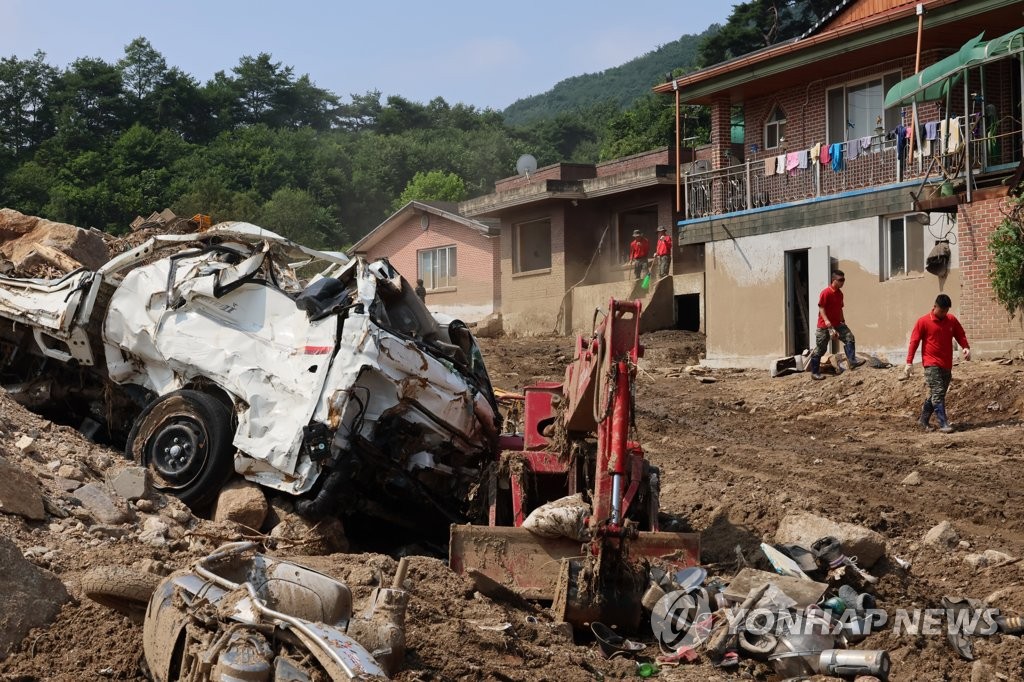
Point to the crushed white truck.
(235, 349)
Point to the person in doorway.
(639, 249)
(832, 325)
(663, 252)
(935, 333)
(421, 290)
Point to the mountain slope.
(621, 84)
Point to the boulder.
(102, 505)
(19, 492)
(326, 536)
(913, 478)
(243, 502)
(942, 536)
(131, 483)
(30, 597)
(30, 242)
(803, 529)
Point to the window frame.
(778, 124)
(430, 279)
(913, 254)
(893, 112)
(517, 244)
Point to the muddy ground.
(738, 450)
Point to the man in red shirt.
(935, 333)
(832, 325)
(639, 249)
(663, 251)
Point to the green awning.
(933, 82)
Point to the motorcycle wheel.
(184, 439)
(124, 590)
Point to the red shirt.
(639, 248)
(664, 246)
(832, 301)
(936, 338)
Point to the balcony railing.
(754, 184)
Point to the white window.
(857, 110)
(436, 267)
(531, 246)
(902, 247)
(775, 128)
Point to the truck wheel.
(125, 590)
(184, 439)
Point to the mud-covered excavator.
(577, 437)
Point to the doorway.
(797, 324)
(688, 312)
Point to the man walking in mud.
(832, 325)
(663, 252)
(935, 333)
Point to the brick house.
(456, 257)
(775, 215)
(565, 235)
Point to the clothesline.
(947, 134)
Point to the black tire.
(124, 590)
(184, 439)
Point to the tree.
(26, 117)
(432, 186)
(295, 214)
(142, 70)
(757, 24)
(648, 124)
(1007, 246)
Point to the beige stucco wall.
(745, 302)
(658, 303)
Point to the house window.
(436, 267)
(531, 246)
(902, 247)
(856, 110)
(775, 128)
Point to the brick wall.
(478, 281)
(635, 162)
(558, 171)
(986, 322)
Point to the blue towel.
(835, 150)
(931, 130)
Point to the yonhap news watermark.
(686, 619)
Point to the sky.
(483, 53)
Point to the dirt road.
(738, 451)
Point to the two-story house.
(887, 128)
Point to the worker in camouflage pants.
(832, 325)
(935, 333)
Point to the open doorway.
(797, 324)
(688, 312)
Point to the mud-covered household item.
(958, 639)
(689, 578)
(1010, 625)
(828, 552)
(783, 563)
(938, 259)
(241, 615)
(852, 662)
(800, 645)
(612, 643)
(803, 592)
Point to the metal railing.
(756, 184)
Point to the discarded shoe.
(959, 640)
(731, 659)
(817, 377)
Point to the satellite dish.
(526, 165)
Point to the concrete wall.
(530, 301)
(658, 302)
(745, 299)
(477, 288)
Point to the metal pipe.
(619, 436)
(679, 153)
(967, 134)
(616, 498)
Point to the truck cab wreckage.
(326, 379)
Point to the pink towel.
(824, 156)
(792, 161)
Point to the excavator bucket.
(582, 587)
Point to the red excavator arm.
(556, 456)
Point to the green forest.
(97, 143)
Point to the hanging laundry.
(825, 155)
(955, 141)
(865, 143)
(835, 151)
(801, 159)
(931, 129)
(943, 135)
(792, 161)
(769, 166)
(900, 132)
(852, 150)
(780, 164)
(816, 154)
